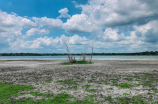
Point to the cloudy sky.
(40, 26)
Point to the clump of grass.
(134, 100)
(77, 62)
(92, 77)
(91, 96)
(59, 81)
(86, 86)
(123, 85)
(91, 90)
(73, 87)
(35, 93)
(126, 94)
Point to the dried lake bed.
(104, 82)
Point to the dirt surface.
(43, 74)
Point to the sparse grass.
(91, 90)
(126, 94)
(129, 79)
(86, 86)
(7, 90)
(77, 62)
(73, 87)
(91, 96)
(123, 85)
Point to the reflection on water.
(77, 57)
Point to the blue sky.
(111, 25)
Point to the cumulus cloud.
(148, 32)
(48, 23)
(79, 23)
(11, 20)
(64, 13)
(111, 13)
(34, 31)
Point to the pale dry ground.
(36, 72)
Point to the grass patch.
(126, 94)
(86, 86)
(129, 79)
(134, 100)
(59, 81)
(91, 90)
(7, 90)
(123, 85)
(73, 87)
(77, 62)
(91, 96)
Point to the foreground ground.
(104, 82)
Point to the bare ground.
(43, 74)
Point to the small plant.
(91, 90)
(91, 96)
(123, 85)
(126, 94)
(59, 81)
(86, 86)
(73, 87)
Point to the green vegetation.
(67, 82)
(123, 85)
(126, 94)
(86, 86)
(7, 90)
(91, 90)
(77, 62)
(73, 87)
(91, 96)
(129, 79)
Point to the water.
(77, 57)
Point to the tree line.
(64, 54)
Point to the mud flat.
(104, 82)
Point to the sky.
(110, 26)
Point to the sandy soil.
(37, 72)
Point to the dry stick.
(92, 51)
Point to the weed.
(59, 81)
(91, 96)
(126, 94)
(86, 86)
(123, 85)
(73, 87)
(91, 90)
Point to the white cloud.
(48, 23)
(63, 13)
(12, 20)
(111, 13)
(79, 23)
(34, 31)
